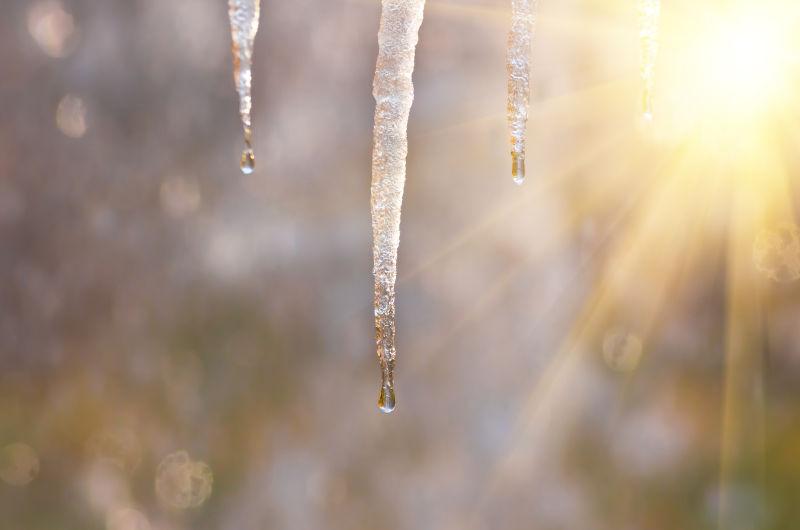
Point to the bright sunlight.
(732, 66)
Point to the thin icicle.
(244, 26)
(518, 63)
(649, 12)
(394, 94)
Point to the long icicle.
(518, 64)
(244, 16)
(649, 13)
(394, 93)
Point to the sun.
(729, 69)
(742, 63)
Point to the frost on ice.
(518, 63)
(649, 12)
(394, 93)
(244, 26)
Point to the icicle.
(394, 92)
(518, 63)
(649, 11)
(244, 26)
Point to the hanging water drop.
(386, 399)
(248, 162)
(518, 167)
(518, 64)
(649, 13)
(244, 16)
(394, 93)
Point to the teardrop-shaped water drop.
(386, 400)
(248, 162)
(647, 105)
(518, 167)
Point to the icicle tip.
(248, 162)
(386, 400)
(647, 106)
(518, 167)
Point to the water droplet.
(248, 163)
(518, 167)
(386, 400)
(647, 106)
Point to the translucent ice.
(244, 26)
(394, 93)
(518, 63)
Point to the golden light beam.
(760, 199)
(493, 292)
(587, 26)
(583, 103)
(742, 443)
(557, 375)
(636, 192)
(484, 302)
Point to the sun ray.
(557, 375)
(571, 226)
(581, 103)
(498, 216)
(760, 199)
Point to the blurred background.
(613, 345)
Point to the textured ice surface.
(518, 63)
(649, 11)
(244, 26)
(394, 93)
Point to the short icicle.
(244, 26)
(394, 93)
(518, 64)
(649, 13)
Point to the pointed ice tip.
(248, 162)
(648, 116)
(386, 400)
(518, 167)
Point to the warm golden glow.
(743, 60)
(727, 67)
